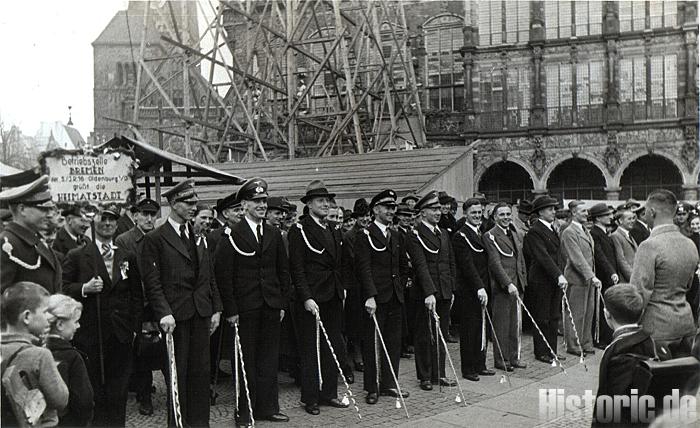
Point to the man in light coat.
(625, 246)
(578, 245)
(663, 272)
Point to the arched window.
(444, 76)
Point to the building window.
(559, 94)
(398, 72)
(504, 22)
(565, 19)
(444, 79)
(659, 101)
(505, 97)
(643, 15)
(589, 93)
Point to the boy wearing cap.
(179, 284)
(315, 264)
(382, 271)
(102, 269)
(23, 255)
(434, 265)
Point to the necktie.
(107, 252)
(437, 231)
(183, 235)
(258, 230)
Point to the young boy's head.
(623, 305)
(23, 308)
(63, 315)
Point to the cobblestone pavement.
(425, 408)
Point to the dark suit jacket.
(505, 268)
(545, 262)
(131, 241)
(173, 285)
(124, 224)
(350, 280)
(471, 261)
(435, 272)
(617, 370)
(64, 243)
(71, 365)
(315, 276)
(381, 273)
(639, 232)
(120, 300)
(248, 278)
(26, 246)
(604, 254)
(215, 236)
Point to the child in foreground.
(64, 316)
(25, 365)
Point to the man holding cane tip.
(179, 283)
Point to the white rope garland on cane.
(7, 248)
(239, 355)
(476, 250)
(493, 238)
(174, 393)
(460, 398)
(227, 231)
(318, 352)
(391, 367)
(349, 397)
(423, 243)
(582, 360)
(483, 327)
(556, 360)
(371, 244)
(306, 240)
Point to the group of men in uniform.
(266, 277)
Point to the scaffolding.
(301, 78)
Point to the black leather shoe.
(561, 357)
(406, 355)
(393, 392)
(425, 385)
(312, 409)
(371, 398)
(244, 425)
(471, 376)
(519, 365)
(576, 353)
(359, 366)
(350, 378)
(507, 368)
(447, 382)
(451, 339)
(146, 407)
(487, 372)
(334, 402)
(277, 417)
(545, 359)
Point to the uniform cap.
(36, 194)
(430, 200)
(147, 205)
(254, 188)
(182, 192)
(385, 197)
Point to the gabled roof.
(117, 31)
(349, 176)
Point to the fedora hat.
(543, 202)
(316, 189)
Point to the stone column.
(468, 52)
(538, 117)
(612, 193)
(689, 192)
(611, 33)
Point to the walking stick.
(582, 360)
(596, 336)
(551, 351)
(97, 302)
(459, 398)
(239, 358)
(349, 397)
(217, 358)
(172, 369)
(391, 366)
(498, 346)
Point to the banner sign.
(77, 177)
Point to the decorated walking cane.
(391, 366)
(556, 361)
(460, 397)
(582, 360)
(239, 359)
(348, 397)
(172, 370)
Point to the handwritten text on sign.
(88, 178)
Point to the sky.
(47, 60)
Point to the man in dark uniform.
(72, 234)
(252, 273)
(231, 211)
(179, 283)
(641, 230)
(434, 266)
(105, 279)
(405, 225)
(605, 265)
(24, 256)
(382, 271)
(472, 285)
(315, 262)
(126, 220)
(132, 241)
(545, 275)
